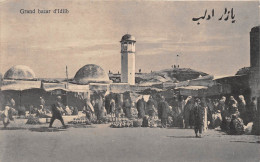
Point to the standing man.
(57, 112)
(112, 108)
(12, 102)
(7, 115)
(251, 110)
(151, 109)
(141, 108)
(89, 110)
(163, 109)
(127, 108)
(241, 105)
(187, 111)
(198, 117)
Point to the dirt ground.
(100, 143)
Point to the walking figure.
(198, 116)
(57, 111)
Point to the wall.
(254, 75)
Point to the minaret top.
(128, 38)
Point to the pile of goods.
(33, 120)
(79, 120)
(146, 122)
(153, 123)
(137, 123)
(122, 123)
(84, 120)
(170, 122)
(248, 128)
(100, 121)
(150, 122)
(236, 127)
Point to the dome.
(128, 37)
(91, 73)
(19, 72)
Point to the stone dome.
(128, 37)
(91, 73)
(20, 72)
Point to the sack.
(137, 123)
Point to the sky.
(91, 31)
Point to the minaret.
(128, 59)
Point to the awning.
(53, 86)
(193, 87)
(63, 86)
(98, 87)
(20, 85)
(196, 91)
(119, 87)
(78, 88)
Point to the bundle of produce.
(236, 126)
(78, 120)
(122, 123)
(116, 125)
(103, 120)
(248, 128)
(127, 123)
(33, 120)
(152, 123)
(137, 122)
(170, 122)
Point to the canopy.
(119, 87)
(20, 85)
(78, 88)
(53, 86)
(193, 91)
(62, 86)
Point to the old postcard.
(129, 81)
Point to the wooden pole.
(20, 99)
(67, 86)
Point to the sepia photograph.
(129, 81)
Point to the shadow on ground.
(258, 142)
(12, 128)
(81, 126)
(46, 129)
(181, 136)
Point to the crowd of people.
(177, 111)
(191, 112)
